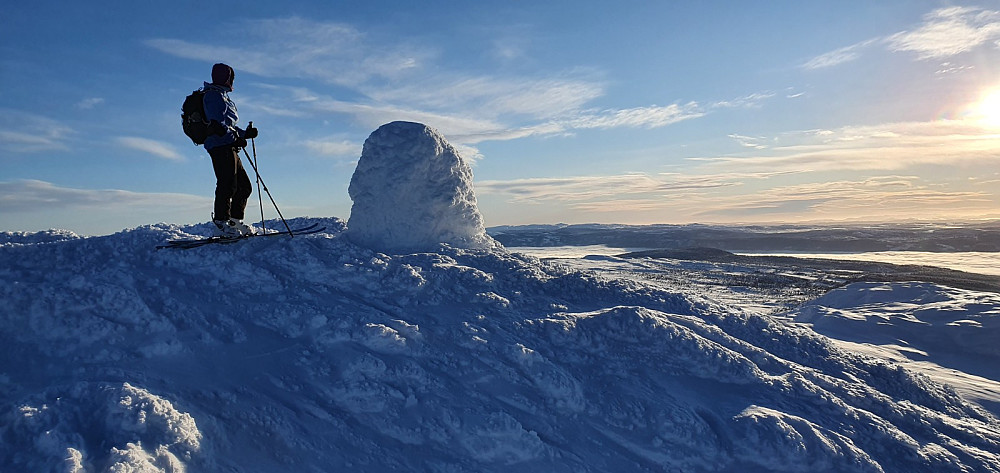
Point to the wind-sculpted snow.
(314, 354)
(91, 426)
(412, 191)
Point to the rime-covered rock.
(412, 191)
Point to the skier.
(232, 185)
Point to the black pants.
(232, 185)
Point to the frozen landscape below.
(981, 236)
(316, 354)
(930, 328)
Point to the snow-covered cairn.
(412, 191)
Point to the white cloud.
(883, 174)
(22, 132)
(462, 126)
(891, 146)
(334, 148)
(585, 188)
(493, 96)
(28, 142)
(884, 198)
(944, 33)
(639, 117)
(749, 141)
(949, 31)
(838, 56)
(732, 199)
(501, 133)
(40, 196)
(750, 101)
(89, 103)
(469, 154)
(296, 47)
(154, 147)
(952, 68)
(401, 81)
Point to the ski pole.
(260, 198)
(268, 192)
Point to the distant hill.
(888, 237)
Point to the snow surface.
(412, 191)
(922, 325)
(315, 354)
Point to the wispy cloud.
(882, 197)
(748, 101)
(540, 98)
(469, 127)
(153, 147)
(753, 142)
(759, 187)
(333, 147)
(639, 117)
(949, 31)
(891, 146)
(944, 33)
(586, 188)
(89, 103)
(838, 56)
(335, 53)
(22, 132)
(375, 114)
(406, 81)
(40, 196)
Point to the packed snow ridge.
(412, 342)
(316, 354)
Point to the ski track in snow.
(313, 354)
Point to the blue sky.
(613, 112)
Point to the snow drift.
(315, 354)
(412, 191)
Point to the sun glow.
(988, 108)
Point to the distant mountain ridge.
(984, 237)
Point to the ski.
(197, 242)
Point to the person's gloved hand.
(251, 133)
(216, 128)
(240, 143)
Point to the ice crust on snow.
(317, 354)
(412, 191)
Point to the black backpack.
(193, 117)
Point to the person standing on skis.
(232, 185)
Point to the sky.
(633, 112)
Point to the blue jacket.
(220, 108)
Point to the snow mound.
(316, 354)
(99, 427)
(412, 191)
